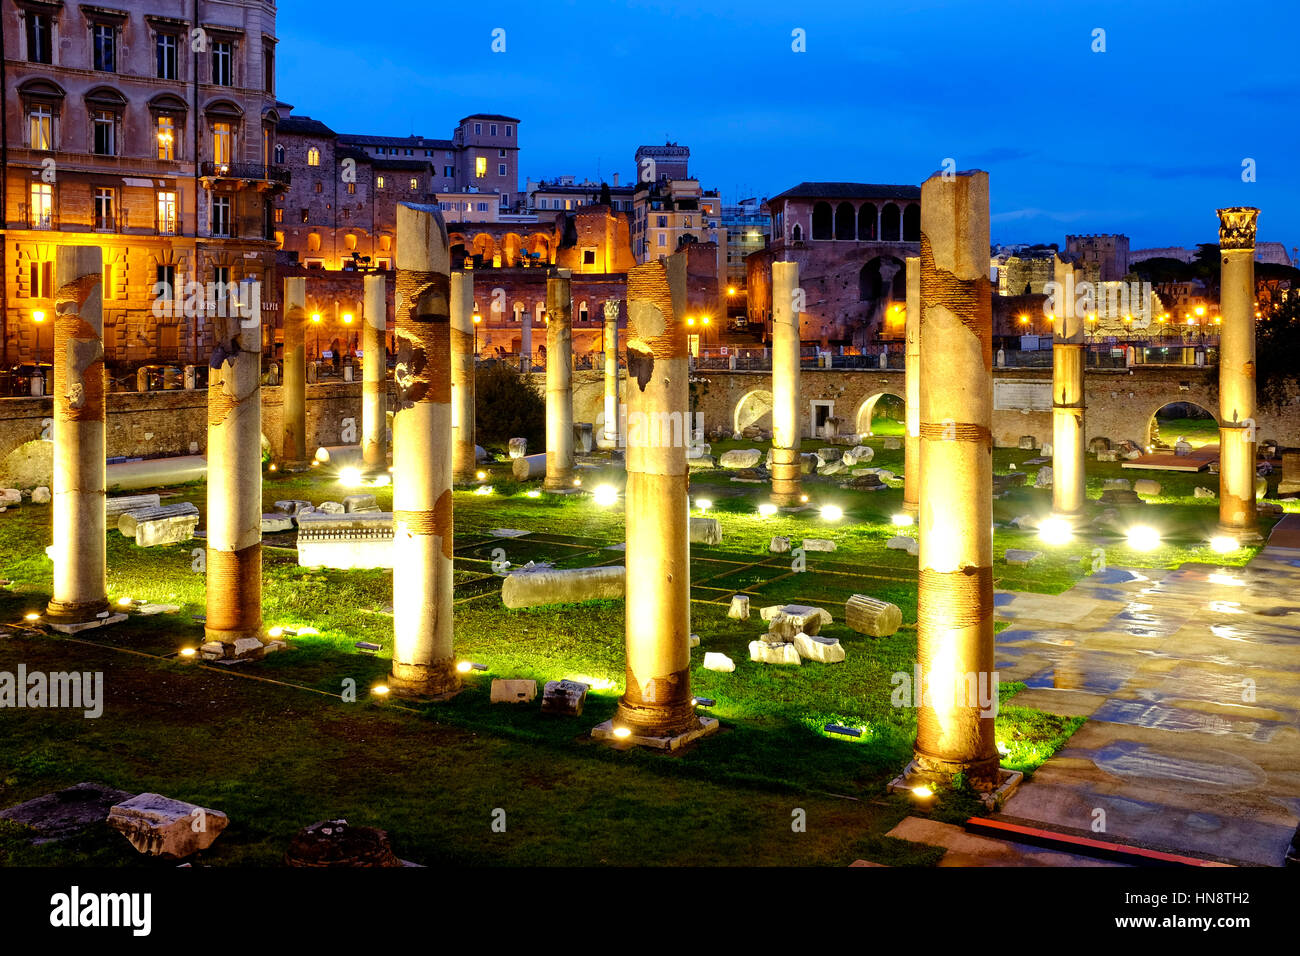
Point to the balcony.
(258, 174)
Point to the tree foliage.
(1277, 343)
(507, 406)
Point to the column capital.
(1237, 227)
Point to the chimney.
(616, 179)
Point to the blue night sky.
(1147, 138)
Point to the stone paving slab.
(1191, 683)
(972, 849)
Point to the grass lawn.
(283, 743)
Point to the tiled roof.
(303, 126)
(849, 191)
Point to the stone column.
(234, 505)
(80, 584)
(1068, 438)
(955, 586)
(293, 390)
(559, 382)
(463, 463)
(1237, 437)
(423, 661)
(657, 699)
(611, 373)
(912, 387)
(374, 377)
(786, 483)
(526, 342)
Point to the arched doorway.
(882, 414)
(821, 221)
(1181, 421)
(845, 227)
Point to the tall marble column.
(1068, 437)
(293, 391)
(463, 463)
(374, 376)
(234, 503)
(955, 585)
(611, 373)
(787, 486)
(657, 703)
(559, 382)
(80, 561)
(1237, 431)
(912, 388)
(423, 655)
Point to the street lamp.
(315, 319)
(477, 319)
(347, 320)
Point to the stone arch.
(822, 225)
(882, 279)
(753, 409)
(866, 411)
(483, 245)
(845, 222)
(1203, 427)
(912, 222)
(867, 222)
(891, 229)
(511, 243)
(581, 313)
(539, 247)
(796, 233)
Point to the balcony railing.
(257, 172)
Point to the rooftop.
(848, 191)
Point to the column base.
(1240, 535)
(294, 467)
(912, 507)
(559, 484)
(993, 791)
(702, 727)
(75, 612)
(439, 681)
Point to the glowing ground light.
(1055, 531)
(1222, 544)
(466, 666)
(1143, 538)
(803, 499)
(350, 477)
(622, 732)
(605, 495)
(31, 617)
(124, 602)
(187, 652)
(832, 512)
(272, 467)
(483, 490)
(577, 482)
(902, 520)
(480, 475)
(704, 504)
(379, 690)
(534, 493)
(767, 510)
(922, 792)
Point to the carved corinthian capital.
(1237, 227)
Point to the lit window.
(166, 213)
(313, 157)
(352, 189)
(379, 182)
(42, 202)
(415, 184)
(40, 128)
(222, 143)
(165, 133)
(480, 166)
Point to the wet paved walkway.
(1191, 683)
